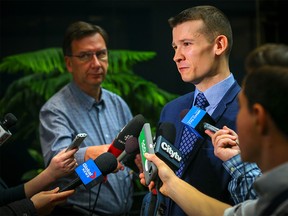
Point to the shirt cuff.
(234, 166)
(80, 155)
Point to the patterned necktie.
(189, 138)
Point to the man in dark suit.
(263, 139)
(202, 41)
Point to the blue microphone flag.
(89, 173)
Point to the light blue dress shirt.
(71, 111)
(215, 93)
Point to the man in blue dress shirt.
(84, 106)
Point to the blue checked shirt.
(71, 111)
(243, 177)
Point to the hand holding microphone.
(225, 141)
(61, 164)
(91, 173)
(163, 148)
(165, 173)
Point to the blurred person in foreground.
(244, 174)
(30, 198)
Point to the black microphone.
(91, 173)
(131, 129)
(8, 121)
(167, 130)
(131, 147)
(165, 150)
(164, 145)
(198, 121)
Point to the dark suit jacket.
(204, 170)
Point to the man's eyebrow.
(183, 41)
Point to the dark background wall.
(136, 25)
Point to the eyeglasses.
(101, 55)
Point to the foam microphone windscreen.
(164, 146)
(131, 147)
(132, 129)
(167, 130)
(106, 162)
(8, 121)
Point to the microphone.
(205, 124)
(146, 145)
(165, 150)
(8, 121)
(131, 129)
(164, 147)
(198, 121)
(91, 173)
(131, 147)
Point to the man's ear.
(68, 63)
(260, 117)
(221, 44)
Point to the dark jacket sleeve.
(12, 194)
(19, 208)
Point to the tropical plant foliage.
(41, 73)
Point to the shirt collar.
(215, 93)
(86, 99)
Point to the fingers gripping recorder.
(77, 141)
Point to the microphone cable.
(130, 175)
(95, 202)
